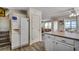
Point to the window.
(73, 24)
(48, 25)
(67, 24)
(70, 24)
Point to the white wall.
(4, 24)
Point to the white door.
(24, 31)
(62, 47)
(35, 25)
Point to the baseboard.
(18, 47)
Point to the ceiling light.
(72, 15)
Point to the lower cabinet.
(53, 43)
(77, 45)
(48, 42)
(59, 46)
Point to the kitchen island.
(61, 41)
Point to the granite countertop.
(74, 36)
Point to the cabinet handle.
(53, 41)
(74, 49)
(63, 41)
(56, 43)
(48, 36)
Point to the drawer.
(62, 47)
(65, 40)
(48, 36)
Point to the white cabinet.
(77, 45)
(48, 41)
(58, 46)
(63, 44)
(55, 43)
(65, 40)
(35, 25)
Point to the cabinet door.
(48, 41)
(35, 25)
(62, 47)
(65, 40)
(77, 45)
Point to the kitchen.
(61, 32)
(42, 28)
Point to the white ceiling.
(47, 12)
